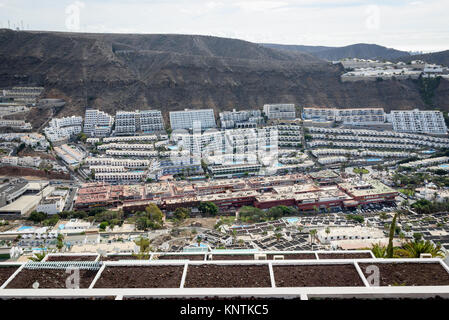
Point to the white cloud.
(403, 24)
(260, 5)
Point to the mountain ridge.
(173, 72)
(358, 50)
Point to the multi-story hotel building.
(280, 111)
(419, 121)
(130, 122)
(186, 119)
(240, 119)
(97, 123)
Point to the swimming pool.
(291, 220)
(444, 166)
(23, 228)
(373, 159)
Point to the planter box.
(409, 274)
(331, 275)
(165, 276)
(6, 272)
(48, 278)
(227, 276)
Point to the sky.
(410, 25)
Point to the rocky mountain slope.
(173, 72)
(441, 57)
(360, 50)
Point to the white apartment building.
(133, 153)
(61, 134)
(127, 176)
(92, 140)
(361, 136)
(420, 121)
(228, 142)
(426, 162)
(97, 123)
(432, 68)
(66, 122)
(22, 161)
(129, 122)
(16, 124)
(133, 146)
(289, 135)
(152, 137)
(357, 153)
(186, 119)
(53, 203)
(331, 160)
(280, 111)
(35, 140)
(352, 116)
(240, 119)
(69, 155)
(114, 162)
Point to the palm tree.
(414, 249)
(234, 235)
(37, 257)
(391, 235)
(312, 235)
(328, 230)
(379, 250)
(278, 236)
(60, 241)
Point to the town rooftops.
(325, 174)
(366, 188)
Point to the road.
(69, 202)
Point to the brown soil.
(22, 172)
(409, 274)
(317, 276)
(227, 276)
(181, 257)
(29, 152)
(141, 277)
(5, 273)
(71, 258)
(346, 255)
(233, 257)
(48, 278)
(117, 258)
(294, 256)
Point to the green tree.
(60, 241)
(37, 257)
(154, 213)
(390, 249)
(379, 251)
(181, 213)
(251, 214)
(414, 249)
(37, 216)
(312, 233)
(280, 211)
(142, 223)
(143, 243)
(208, 208)
(103, 225)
